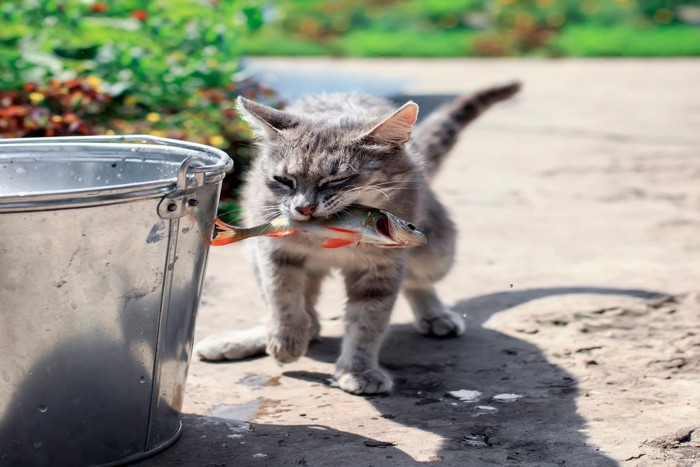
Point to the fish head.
(402, 234)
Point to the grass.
(271, 41)
(628, 41)
(572, 41)
(361, 43)
(406, 43)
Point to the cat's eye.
(288, 182)
(337, 182)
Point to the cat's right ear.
(396, 129)
(268, 121)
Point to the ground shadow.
(540, 428)
(216, 442)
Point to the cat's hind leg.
(432, 318)
(427, 265)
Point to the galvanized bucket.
(103, 248)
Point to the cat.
(316, 158)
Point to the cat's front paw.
(372, 381)
(447, 324)
(289, 342)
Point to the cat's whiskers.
(225, 213)
(270, 213)
(271, 210)
(269, 217)
(369, 188)
(390, 183)
(379, 190)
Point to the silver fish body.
(354, 225)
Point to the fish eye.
(411, 226)
(289, 183)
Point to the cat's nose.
(307, 210)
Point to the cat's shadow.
(542, 426)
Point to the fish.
(357, 224)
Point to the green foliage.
(442, 28)
(596, 41)
(273, 41)
(60, 109)
(664, 11)
(156, 51)
(370, 43)
(164, 67)
(230, 211)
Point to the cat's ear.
(270, 122)
(396, 129)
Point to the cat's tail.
(437, 135)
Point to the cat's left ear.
(268, 121)
(396, 130)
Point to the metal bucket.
(103, 247)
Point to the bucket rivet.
(172, 207)
(192, 202)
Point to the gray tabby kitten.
(320, 156)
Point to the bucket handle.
(190, 176)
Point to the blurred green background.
(491, 28)
(172, 67)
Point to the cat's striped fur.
(319, 156)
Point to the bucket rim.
(203, 167)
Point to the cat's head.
(317, 165)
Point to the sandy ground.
(578, 262)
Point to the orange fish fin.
(338, 229)
(223, 233)
(224, 238)
(336, 243)
(283, 233)
(221, 225)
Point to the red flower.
(139, 14)
(98, 8)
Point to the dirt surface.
(577, 273)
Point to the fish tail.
(225, 233)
